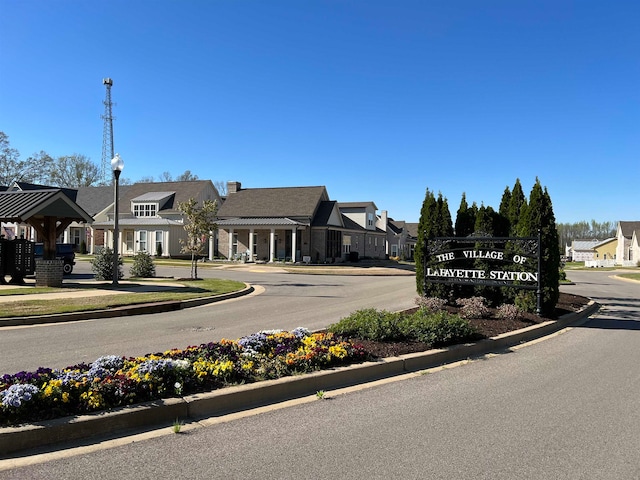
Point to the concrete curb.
(124, 311)
(243, 397)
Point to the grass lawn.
(188, 290)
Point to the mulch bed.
(486, 327)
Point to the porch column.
(272, 246)
(293, 244)
(93, 241)
(250, 245)
(212, 242)
(230, 249)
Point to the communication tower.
(107, 133)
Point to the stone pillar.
(49, 272)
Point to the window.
(128, 240)
(394, 250)
(145, 209)
(370, 219)
(143, 241)
(159, 243)
(254, 247)
(346, 243)
(234, 244)
(75, 235)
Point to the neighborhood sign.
(491, 261)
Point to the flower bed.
(113, 381)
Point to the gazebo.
(49, 212)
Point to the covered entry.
(49, 212)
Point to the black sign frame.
(443, 250)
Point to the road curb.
(124, 311)
(237, 398)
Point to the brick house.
(296, 224)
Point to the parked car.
(64, 251)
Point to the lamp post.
(116, 165)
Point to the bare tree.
(221, 187)
(34, 169)
(166, 177)
(147, 179)
(73, 171)
(187, 176)
(199, 224)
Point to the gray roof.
(584, 245)
(289, 202)
(20, 206)
(96, 199)
(323, 213)
(262, 221)
(347, 205)
(153, 196)
(138, 221)
(628, 228)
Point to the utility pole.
(107, 134)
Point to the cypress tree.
(539, 216)
(425, 231)
(464, 219)
(502, 224)
(435, 221)
(517, 203)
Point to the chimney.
(233, 187)
(383, 220)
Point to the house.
(401, 236)
(296, 224)
(604, 253)
(627, 253)
(148, 218)
(582, 250)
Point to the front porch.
(285, 240)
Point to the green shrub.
(434, 328)
(369, 324)
(102, 265)
(143, 266)
(437, 328)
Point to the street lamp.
(116, 165)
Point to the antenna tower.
(107, 133)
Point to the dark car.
(64, 251)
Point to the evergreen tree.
(517, 203)
(502, 224)
(425, 231)
(444, 223)
(487, 221)
(435, 221)
(464, 219)
(539, 216)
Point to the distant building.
(628, 250)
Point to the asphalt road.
(283, 300)
(562, 408)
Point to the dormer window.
(145, 209)
(149, 204)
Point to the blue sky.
(376, 100)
